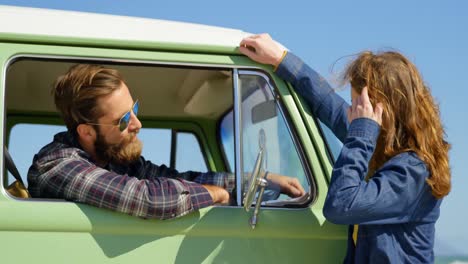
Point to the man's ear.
(86, 132)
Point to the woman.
(392, 173)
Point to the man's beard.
(124, 153)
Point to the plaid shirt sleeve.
(222, 179)
(157, 192)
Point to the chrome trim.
(3, 130)
(264, 76)
(238, 135)
(252, 188)
(262, 183)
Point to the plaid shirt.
(63, 170)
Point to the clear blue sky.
(433, 34)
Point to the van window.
(157, 147)
(23, 145)
(189, 155)
(180, 106)
(263, 127)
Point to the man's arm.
(77, 179)
(148, 170)
(225, 180)
(287, 185)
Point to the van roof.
(57, 26)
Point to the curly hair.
(411, 118)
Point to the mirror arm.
(262, 183)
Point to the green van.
(203, 107)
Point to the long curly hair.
(411, 118)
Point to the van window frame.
(238, 134)
(235, 69)
(57, 120)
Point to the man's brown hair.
(76, 93)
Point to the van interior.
(193, 94)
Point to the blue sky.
(433, 34)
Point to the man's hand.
(218, 194)
(362, 107)
(288, 185)
(262, 48)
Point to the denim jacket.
(395, 209)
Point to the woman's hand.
(362, 107)
(262, 48)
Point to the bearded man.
(98, 161)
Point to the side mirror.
(257, 180)
(254, 182)
(264, 111)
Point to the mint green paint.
(308, 133)
(318, 141)
(213, 144)
(113, 44)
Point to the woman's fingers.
(365, 96)
(355, 104)
(378, 113)
(362, 107)
(248, 46)
(247, 51)
(248, 42)
(262, 48)
(364, 102)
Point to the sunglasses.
(124, 120)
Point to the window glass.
(23, 145)
(156, 147)
(189, 155)
(263, 124)
(262, 121)
(227, 138)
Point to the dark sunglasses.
(125, 119)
